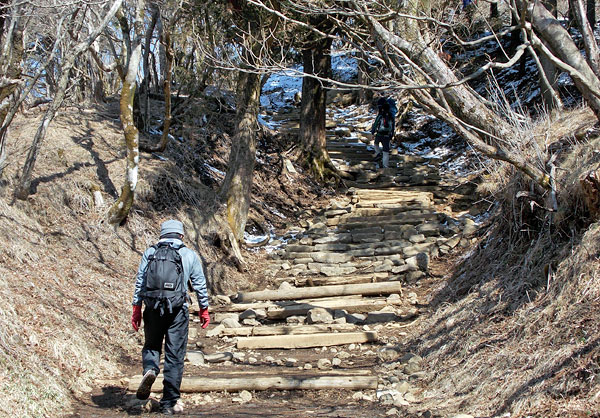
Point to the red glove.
(204, 317)
(136, 317)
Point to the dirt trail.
(388, 228)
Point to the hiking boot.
(145, 387)
(172, 410)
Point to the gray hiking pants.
(173, 329)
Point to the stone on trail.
(417, 238)
(394, 297)
(222, 299)
(358, 396)
(291, 362)
(319, 316)
(215, 331)
(412, 298)
(243, 397)
(250, 313)
(284, 286)
(356, 318)
(218, 357)
(218, 317)
(295, 320)
(196, 358)
(409, 397)
(230, 323)
(388, 354)
(324, 364)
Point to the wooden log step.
(350, 306)
(364, 222)
(380, 215)
(401, 206)
(306, 341)
(286, 330)
(389, 193)
(284, 309)
(236, 384)
(289, 372)
(390, 240)
(364, 289)
(323, 281)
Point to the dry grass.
(516, 329)
(67, 275)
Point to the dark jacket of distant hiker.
(383, 125)
(383, 129)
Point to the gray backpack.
(165, 287)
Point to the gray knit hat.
(170, 226)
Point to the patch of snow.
(268, 124)
(254, 239)
(565, 80)
(344, 66)
(279, 90)
(214, 170)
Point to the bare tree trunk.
(589, 41)
(494, 10)
(364, 95)
(162, 59)
(120, 209)
(12, 55)
(460, 98)
(23, 189)
(317, 61)
(168, 73)
(561, 45)
(548, 70)
(237, 185)
(591, 12)
(145, 96)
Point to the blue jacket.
(192, 272)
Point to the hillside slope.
(68, 276)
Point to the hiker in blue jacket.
(383, 129)
(164, 319)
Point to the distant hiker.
(383, 129)
(162, 279)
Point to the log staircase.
(348, 279)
